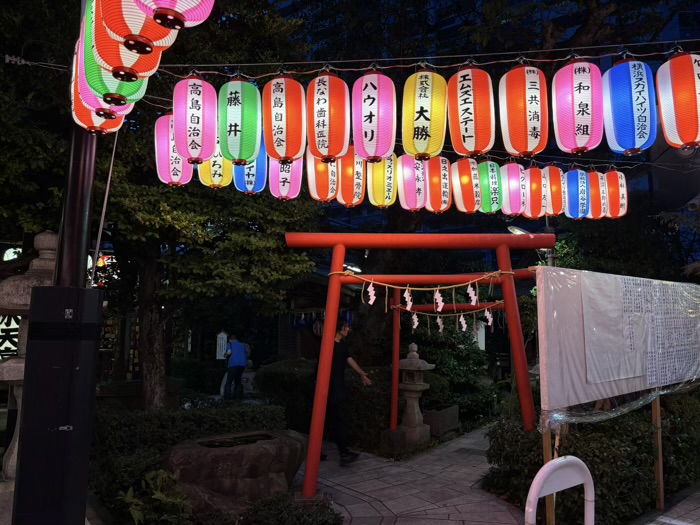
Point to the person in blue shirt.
(237, 355)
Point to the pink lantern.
(437, 184)
(554, 178)
(513, 188)
(411, 181)
(577, 107)
(176, 14)
(351, 172)
(285, 178)
(466, 187)
(322, 177)
(194, 114)
(328, 107)
(172, 169)
(535, 193)
(374, 116)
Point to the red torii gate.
(502, 243)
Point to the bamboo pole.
(658, 452)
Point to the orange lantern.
(322, 178)
(535, 193)
(597, 195)
(351, 170)
(617, 194)
(437, 184)
(678, 87)
(471, 111)
(130, 26)
(284, 119)
(466, 186)
(328, 117)
(554, 179)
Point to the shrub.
(200, 376)
(158, 501)
(282, 509)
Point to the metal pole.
(395, 356)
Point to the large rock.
(229, 471)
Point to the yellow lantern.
(217, 172)
(424, 114)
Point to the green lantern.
(240, 121)
(490, 182)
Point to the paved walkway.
(683, 509)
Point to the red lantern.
(328, 117)
(554, 178)
(466, 186)
(597, 195)
(139, 33)
(678, 86)
(535, 193)
(617, 194)
(437, 184)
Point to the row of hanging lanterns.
(120, 46)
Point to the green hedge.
(201, 376)
(282, 509)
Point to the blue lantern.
(252, 177)
(575, 192)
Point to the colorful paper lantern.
(577, 107)
(597, 195)
(194, 113)
(524, 112)
(285, 179)
(411, 183)
(629, 99)
(617, 194)
(490, 183)
(471, 111)
(130, 26)
(217, 172)
(322, 178)
(424, 114)
(466, 186)
(85, 117)
(284, 119)
(171, 168)
(328, 117)
(575, 194)
(513, 189)
(555, 200)
(251, 177)
(176, 14)
(374, 116)
(381, 182)
(437, 184)
(351, 171)
(240, 121)
(678, 88)
(535, 193)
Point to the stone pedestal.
(415, 431)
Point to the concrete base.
(7, 496)
(416, 436)
(392, 441)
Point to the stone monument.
(412, 367)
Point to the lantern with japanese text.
(617, 194)
(554, 177)
(172, 169)
(130, 26)
(194, 113)
(351, 172)
(535, 193)
(513, 189)
(522, 93)
(577, 107)
(374, 116)
(410, 177)
(240, 121)
(176, 14)
(471, 111)
(437, 184)
(284, 119)
(490, 183)
(424, 114)
(328, 117)
(285, 179)
(86, 117)
(678, 87)
(322, 178)
(629, 100)
(597, 196)
(251, 177)
(575, 193)
(217, 172)
(381, 182)
(466, 187)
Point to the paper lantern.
(411, 183)
(577, 107)
(575, 194)
(678, 88)
(194, 113)
(328, 117)
(471, 111)
(513, 189)
(597, 195)
(437, 184)
(251, 177)
(535, 193)
(284, 119)
(322, 178)
(85, 117)
(351, 171)
(555, 200)
(171, 168)
(285, 179)
(629, 100)
(374, 116)
(176, 14)
(217, 172)
(240, 121)
(466, 186)
(522, 94)
(617, 194)
(130, 26)
(490, 183)
(381, 182)
(424, 114)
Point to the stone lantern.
(412, 385)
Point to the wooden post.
(548, 456)
(658, 450)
